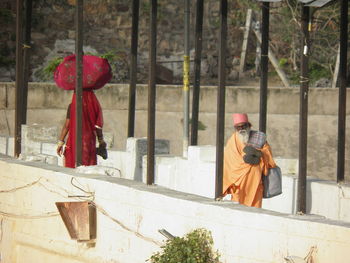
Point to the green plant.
(6, 58)
(110, 55)
(6, 61)
(6, 16)
(46, 73)
(283, 62)
(317, 72)
(195, 247)
(52, 65)
(201, 125)
(145, 8)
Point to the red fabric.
(96, 72)
(91, 117)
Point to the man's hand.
(252, 151)
(251, 159)
(252, 155)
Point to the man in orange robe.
(242, 173)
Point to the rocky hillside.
(107, 29)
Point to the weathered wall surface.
(129, 215)
(47, 105)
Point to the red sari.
(91, 119)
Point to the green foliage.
(145, 8)
(38, 21)
(6, 61)
(46, 73)
(195, 247)
(5, 16)
(110, 55)
(283, 62)
(238, 11)
(316, 72)
(294, 77)
(201, 125)
(52, 65)
(118, 59)
(286, 40)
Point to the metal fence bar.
(342, 89)
(79, 80)
(19, 78)
(152, 92)
(220, 124)
(186, 79)
(303, 115)
(264, 64)
(26, 56)
(197, 71)
(133, 67)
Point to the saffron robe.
(91, 118)
(243, 180)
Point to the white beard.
(243, 135)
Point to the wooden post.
(248, 23)
(336, 69)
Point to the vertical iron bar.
(26, 57)
(197, 72)
(264, 64)
(133, 67)
(342, 89)
(152, 92)
(79, 79)
(19, 78)
(220, 124)
(186, 78)
(303, 115)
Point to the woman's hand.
(59, 149)
(102, 143)
(101, 150)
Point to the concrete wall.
(129, 215)
(194, 174)
(47, 105)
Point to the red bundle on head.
(96, 72)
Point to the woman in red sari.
(92, 123)
(96, 73)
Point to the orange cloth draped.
(91, 117)
(242, 180)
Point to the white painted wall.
(130, 213)
(195, 174)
